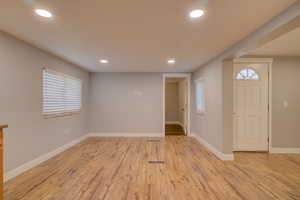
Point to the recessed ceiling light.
(196, 13)
(171, 61)
(43, 13)
(103, 61)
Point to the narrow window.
(200, 96)
(61, 94)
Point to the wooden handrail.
(1, 160)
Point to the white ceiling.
(285, 45)
(136, 35)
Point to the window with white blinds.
(61, 94)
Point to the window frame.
(65, 113)
(245, 78)
(200, 111)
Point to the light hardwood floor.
(118, 168)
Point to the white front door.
(250, 117)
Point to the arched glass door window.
(247, 74)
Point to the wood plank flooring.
(174, 129)
(119, 168)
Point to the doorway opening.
(176, 104)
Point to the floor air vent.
(156, 162)
(153, 140)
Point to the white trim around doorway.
(178, 75)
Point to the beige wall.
(126, 103)
(227, 106)
(172, 102)
(286, 87)
(30, 135)
(209, 126)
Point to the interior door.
(183, 103)
(251, 107)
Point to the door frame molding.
(268, 61)
(188, 78)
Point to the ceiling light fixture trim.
(196, 13)
(103, 61)
(171, 61)
(43, 13)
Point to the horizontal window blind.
(61, 93)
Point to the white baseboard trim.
(182, 126)
(126, 135)
(19, 170)
(215, 151)
(285, 150)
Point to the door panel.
(251, 109)
(183, 103)
(185, 114)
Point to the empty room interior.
(149, 100)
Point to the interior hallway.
(174, 129)
(119, 168)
